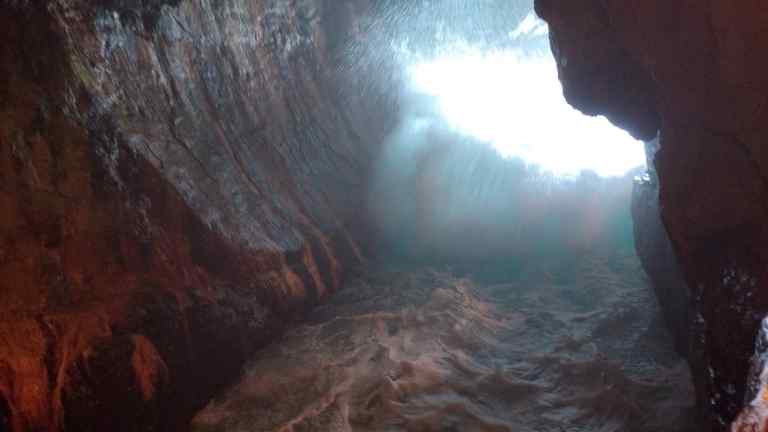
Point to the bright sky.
(515, 102)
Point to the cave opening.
(384, 212)
(486, 151)
(504, 291)
(512, 99)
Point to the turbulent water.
(572, 347)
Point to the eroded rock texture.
(658, 256)
(177, 178)
(694, 70)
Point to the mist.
(489, 167)
(504, 292)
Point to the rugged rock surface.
(176, 180)
(694, 71)
(754, 417)
(658, 257)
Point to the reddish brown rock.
(599, 74)
(697, 67)
(177, 179)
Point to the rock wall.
(177, 180)
(658, 256)
(693, 71)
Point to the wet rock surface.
(659, 260)
(177, 180)
(577, 347)
(689, 69)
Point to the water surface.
(567, 347)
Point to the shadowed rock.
(690, 69)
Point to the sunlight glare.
(515, 102)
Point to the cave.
(400, 215)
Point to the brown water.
(566, 348)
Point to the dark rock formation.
(176, 180)
(694, 70)
(658, 257)
(598, 73)
(754, 417)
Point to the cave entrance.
(490, 168)
(512, 99)
(508, 95)
(493, 177)
(506, 294)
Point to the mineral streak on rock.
(754, 417)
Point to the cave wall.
(693, 71)
(659, 261)
(177, 180)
